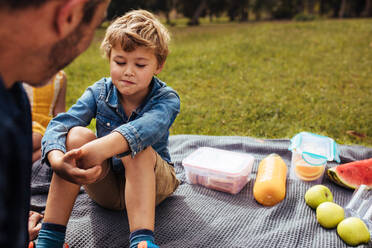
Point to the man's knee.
(78, 136)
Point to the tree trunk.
(257, 15)
(195, 19)
(244, 15)
(321, 7)
(301, 7)
(310, 6)
(232, 14)
(167, 16)
(367, 12)
(343, 9)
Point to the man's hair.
(21, 4)
(137, 28)
(89, 8)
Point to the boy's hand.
(66, 167)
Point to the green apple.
(353, 231)
(318, 194)
(329, 214)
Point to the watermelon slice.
(353, 174)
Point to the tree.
(367, 12)
(343, 9)
(216, 7)
(118, 7)
(164, 6)
(198, 12)
(238, 10)
(285, 9)
(259, 6)
(192, 9)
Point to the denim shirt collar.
(113, 101)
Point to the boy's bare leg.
(140, 189)
(62, 194)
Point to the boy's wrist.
(113, 144)
(117, 145)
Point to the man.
(38, 38)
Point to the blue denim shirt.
(147, 126)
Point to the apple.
(318, 194)
(329, 214)
(353, 231)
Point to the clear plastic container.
(310, 153)
(218, 169)
(360, 205)
(367, 217)
(306, 171)
(360, 202)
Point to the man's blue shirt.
(147, 126)
(15, 165)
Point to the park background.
(259, 68)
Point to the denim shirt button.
(108, 124)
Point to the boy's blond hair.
(137, 28)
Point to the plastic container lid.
(315, 149)
(220, 161)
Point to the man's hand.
(66, 166)
(34, 224)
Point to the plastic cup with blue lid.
(310, 153)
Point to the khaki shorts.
(110, 191)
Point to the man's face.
(66, 50)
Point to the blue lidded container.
(310, 153)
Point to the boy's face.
(131, 72)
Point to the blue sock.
(142, 238)
(51, 236)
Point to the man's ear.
(68, 16)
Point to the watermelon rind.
(332, 174)
(336, 178)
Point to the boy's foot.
(142, 238)
(146, 244)
(32, 244)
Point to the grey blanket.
(195, 216)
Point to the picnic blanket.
(195, 216)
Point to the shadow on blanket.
(195, 216)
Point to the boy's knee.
(78, 136)
(143, 160)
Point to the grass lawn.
(265, 80)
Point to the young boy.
(134, 111)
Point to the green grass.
(265, 80)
